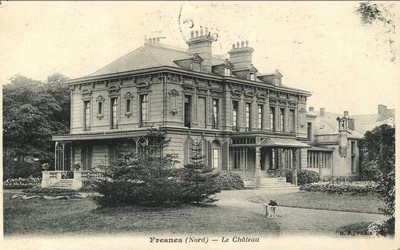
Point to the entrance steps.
(64, 184)
(271, 184)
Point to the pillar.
(257, 173)
(77, 182)
(45, 179)
(295, 167)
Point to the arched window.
(216, 154)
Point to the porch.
(68, 179)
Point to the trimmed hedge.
(50, 191)
(303, 177)
(229, 181)
(21, 183)
(349, 188)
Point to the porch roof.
(100, 135)
(283, 143)
(321, 149)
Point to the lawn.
(55, 217)
(333, 202)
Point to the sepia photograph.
(198, 124)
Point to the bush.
(15, 170)
(21, 183)
(303, 177)
(229, 181)
(50, 191)
(349, 188)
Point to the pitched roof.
(148, 56)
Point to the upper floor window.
(100, 108)
(187, 114)
(248, 106)
(260, 116)
(215, 113)
(309, 131)
(272, 118)
(128, 105)
(292, 121)
(282, 123)
(227, 72)
(144, 109)
(86, 115)
(252, 77)
(235, 106)
(114, 113)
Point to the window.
(260, 116)
(215, 109)
(144, 105)
(272, 118)
(273, 159)
(309, 131)
(100, 108)
(215, 157)
(235, 106)
(318, 160)
(248, 105)
(86, 115)
(292, 120)
(128, 105)
(227, 72)
(252, 77)
(282, 123)
(114, 111)
(188, 106)
(353, 157)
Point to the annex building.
(247, 122)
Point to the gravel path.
(297, 221)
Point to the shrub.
(21, 183)
(229, 181)
(50, 191)
(303, 177)
(15, 170)
(349, 188)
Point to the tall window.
(272, 118)
(282, 123)
(235, 107)
(227, 72)
(144, 109)
(114, 111)
(99, 108)
(309, 131)
(215, 157)
(260, 116)
(248, 106)
(292, 121)
(215, 118)
(86, 115)
(353, 157)
(128, 105)
(188, 107)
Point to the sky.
(321, 47)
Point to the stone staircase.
(64, 183)
(271, 184)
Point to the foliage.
(381, 14)
(382, 227)
(50, 191)
(21, 183)
(369, 171)
(350, 188)
(355, 229)
(272, 203)
(199, 181)
(19, 169)
(303, 176)
(378, 149)
(32, 112)
(147, 179)
(229, 181)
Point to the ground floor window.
(215, 157)
(317, 159)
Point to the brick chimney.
(200, 43)
(381, 109)
(241, 55)
(346, 113)
(311, 109)
(322, 112)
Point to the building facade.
(247, 122)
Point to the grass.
(56, 217)
(323, 201)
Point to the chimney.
(322, 112)
(201, 43)
(381, 109)
(346, 113)
(311, 109)
(240, 55)
(352, 124)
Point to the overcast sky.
(318, 46)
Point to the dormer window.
(252, 77)
(227, 72)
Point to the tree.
(199, 179)
(380, 14)
(32, 112)
(378, 149)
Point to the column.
(295, 166)
(257, 173)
